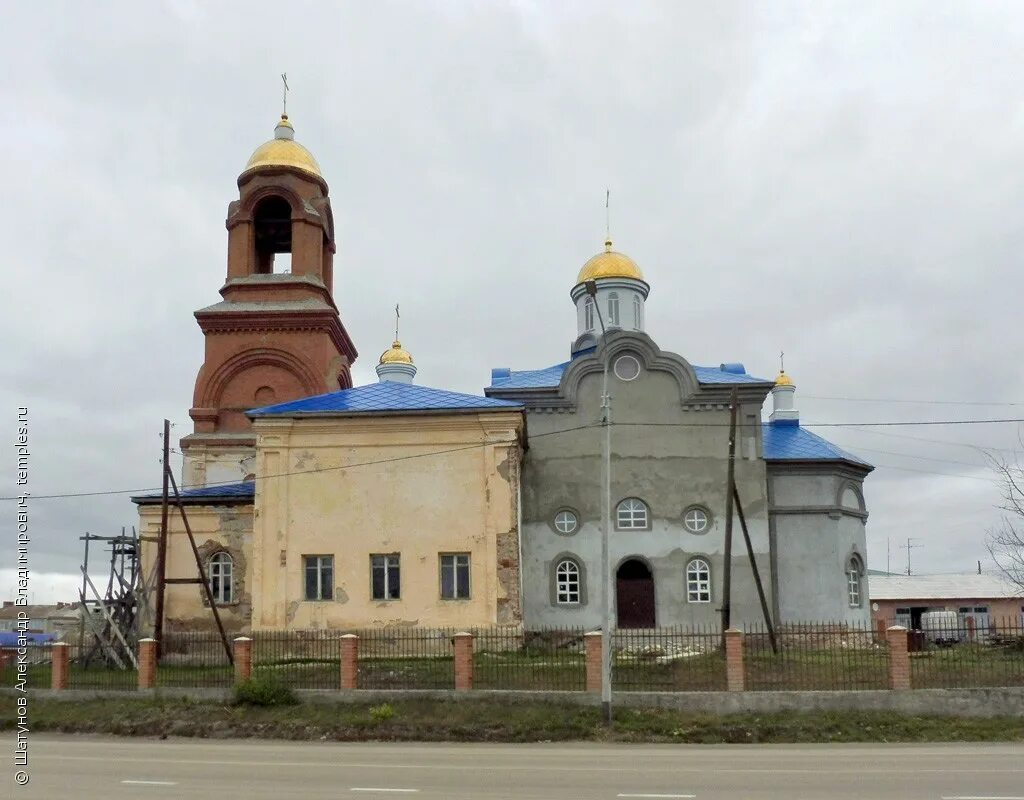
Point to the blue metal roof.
(787, 441)
(384, 396)
(551, 376)
(242, 490)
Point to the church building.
(316, 504)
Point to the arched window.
(567, 583)
(588, 314)
(631, 514)
(613, 308)
(698, 581)
(220, 568)
(854, 570)
(638, 313)
(272, 230)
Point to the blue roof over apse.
(551, 376)
(242, 490)
(787, 441)
(384, 396)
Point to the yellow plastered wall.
(414, 485)
(215, 528)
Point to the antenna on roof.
(908, 547)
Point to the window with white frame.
(220, 569)
(455, 576)
(696, 519)
(853, 589)
(319, 575)
(698, 581)
(566, 521)
(588, 314)
(613, 308)
(567, 583)
(638, 313)
(631, 514)
(385, 577)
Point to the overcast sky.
(841, 181)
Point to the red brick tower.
(276, 335)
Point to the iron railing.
(816, 656)
(965, 654)
(193, 658)
(679, 659)
(539, 660)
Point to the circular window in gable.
(697, 519)
(626, 368)
(566, 521)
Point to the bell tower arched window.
(613, 308)
(272, 229)
(588, 314)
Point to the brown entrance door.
(634, 595)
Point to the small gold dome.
(283, 151)
(783, 379)
(609, 264)
(395, 355)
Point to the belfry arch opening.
(272, 229)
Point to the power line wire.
(914, 402)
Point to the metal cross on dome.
(284, 98)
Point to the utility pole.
(908, 547)
(729, 492)
(606, 514)
(161, 551)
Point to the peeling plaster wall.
(215, 528)
(206, 464)
(393, 497)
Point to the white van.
(941, 627)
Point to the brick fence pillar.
(595, 652)
(899, 659)
(349, 661)
(971, 632)
(463, 661)
(147, 663)
(60, 655)
(242, 651)
(734, 672)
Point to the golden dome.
(395, 355)
(783, 379)
(610, 264)
(283, 151)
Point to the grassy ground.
(482, 720)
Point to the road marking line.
(151, 783)
(657, 795)
(978, 797)
(373, 789)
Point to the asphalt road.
(100, 768)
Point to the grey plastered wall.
(818, 518)
(676, 458)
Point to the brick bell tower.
(276, 336)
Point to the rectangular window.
(455, 576)
(319, 573)
(385, 577)
(853, 587)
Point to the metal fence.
(964, 654)
(668, 660)
(88, 670)
(193, 658)
(37, 666)
(541, 660)
(299, 659)
(816, 656)
(406, 658)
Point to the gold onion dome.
(395, 354)
(283, 151)
(610, 264)
(783, 379)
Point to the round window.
(696, 519)
(626, 368)
(566, 522)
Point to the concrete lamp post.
(606, 513)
